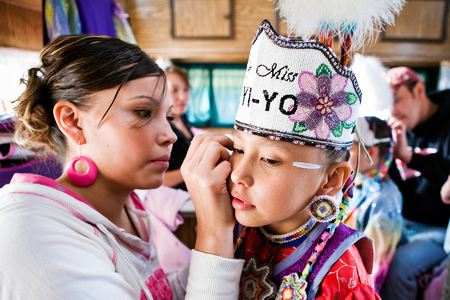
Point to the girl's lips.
(161, 162)
(238, 204)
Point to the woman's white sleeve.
(213, 277)
(41, 258)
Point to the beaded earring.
(323, 208)
(88, 173)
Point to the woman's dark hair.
(381, 130)
(73, 68)
(180, 72)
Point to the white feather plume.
(377, 98)
(308, 18)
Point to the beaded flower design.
(255, 282)
(323, 104)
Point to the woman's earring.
(323, 208)
(81, 170)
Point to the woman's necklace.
(290, 236)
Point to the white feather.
(377, 98)
(307, 18)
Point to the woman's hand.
(205, 171)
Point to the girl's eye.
(169, 118)
(144, 113)
(270, 161)
(236, 150)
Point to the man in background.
(421, 130)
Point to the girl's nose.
(241, 172)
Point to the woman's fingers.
(214, 154)
(205, 172)
(201, 142)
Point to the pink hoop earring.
(82, 179)
(323, 208)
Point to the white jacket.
(55, 246)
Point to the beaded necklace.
(290, 236)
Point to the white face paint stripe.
(303, 165)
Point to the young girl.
(289, 174)
(376, 208)
(99, 104)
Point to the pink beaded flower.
(323, 104)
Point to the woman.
(178, 86)
(99, 104)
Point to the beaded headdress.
(298, 90)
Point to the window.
(215, 93)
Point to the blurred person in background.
(179, 93)
(421, 131)
(377, 203)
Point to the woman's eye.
(169, 118)
(270, 161)
(236, 150)
(144, 113)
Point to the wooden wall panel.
(412, 53)
(28, 4)
(21, 26)
(420, 20)
(151, 24)
(202, 18)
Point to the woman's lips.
(161, 162)
(239, 204)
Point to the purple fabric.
(435, 289)
(49, 167)
(97, 17)
(341, 234)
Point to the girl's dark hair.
(73, 68)
(334, 156)
(381, 130)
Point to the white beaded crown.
(297, 91)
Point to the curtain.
(226, 85)
(444, 76)
(199, 108)
(215, 92)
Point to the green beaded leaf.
(299, 127)
(351, 98)
(323, 70)
(337, 132)
(348, 126)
